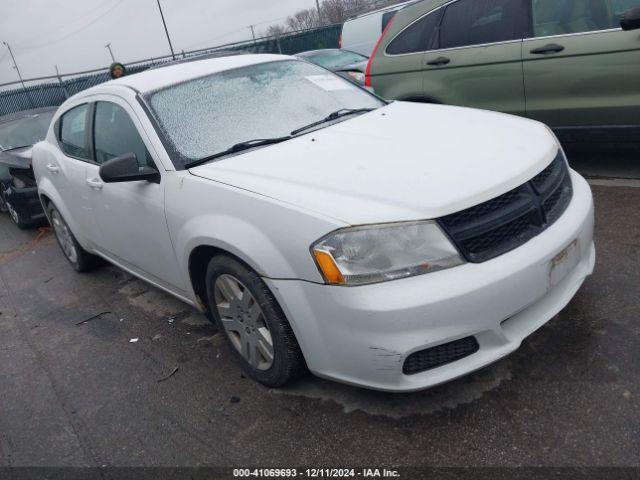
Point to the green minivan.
(572, 64)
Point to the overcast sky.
(72, 33)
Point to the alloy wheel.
(12, 212)
(64, 237)
(244, 321)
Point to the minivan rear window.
(416, 37)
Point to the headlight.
(18, 183)
(21, 177)
(379, 253)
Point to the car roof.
(26, 113)
(197, 58)
(390, 8)
(151, 80)
(310, 53)
(314, 52)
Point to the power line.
(15, 65)
(230, 32)
(74, 32)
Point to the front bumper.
(362, 335)
(26, 202)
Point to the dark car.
(348, 64)
(18, 190)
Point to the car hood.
(18, 158)
(405, 161)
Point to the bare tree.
(337, 11)
(303, 20)
(332, 12)
(276, 31)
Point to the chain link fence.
(54, 90)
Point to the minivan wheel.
(78, 257)
(253, 323)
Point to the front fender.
(235, 236)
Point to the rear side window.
(73, 132)
(417, 37)
(115, 134)
(476, 22)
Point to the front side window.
(564, 17)
(416, 37)
(115, 134)
(208, 115)
(476, 22)
(73, 132)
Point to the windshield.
(208, 115)
(25, 131)
(333, 59)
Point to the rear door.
(580, 68)
(67, 172)
(397, 71)
(130, 215)
(477, 59)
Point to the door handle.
(53, 169)
(548, 49)
(95, 184)
(439, 61)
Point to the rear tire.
(253, 323)
(81, 260)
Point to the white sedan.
(392, 246)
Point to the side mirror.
(631, 19)
(125, 169)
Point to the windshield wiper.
(239, 147)
(331, 117)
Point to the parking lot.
(78, 390)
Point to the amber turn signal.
(328, 268)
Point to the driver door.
(130, 215)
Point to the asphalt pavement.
(103, 369)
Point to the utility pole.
(173, 55)
(64, 89)
(15, 65)
(108, 47)
(319, 12)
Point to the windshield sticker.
(330, 83)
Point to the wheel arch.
(198, 262)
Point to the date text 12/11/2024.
(315, 473)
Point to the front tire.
(81, 260)
(15, 217)
(253, 323)
(5, 206)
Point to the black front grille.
(438, 356)
(506, 222)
